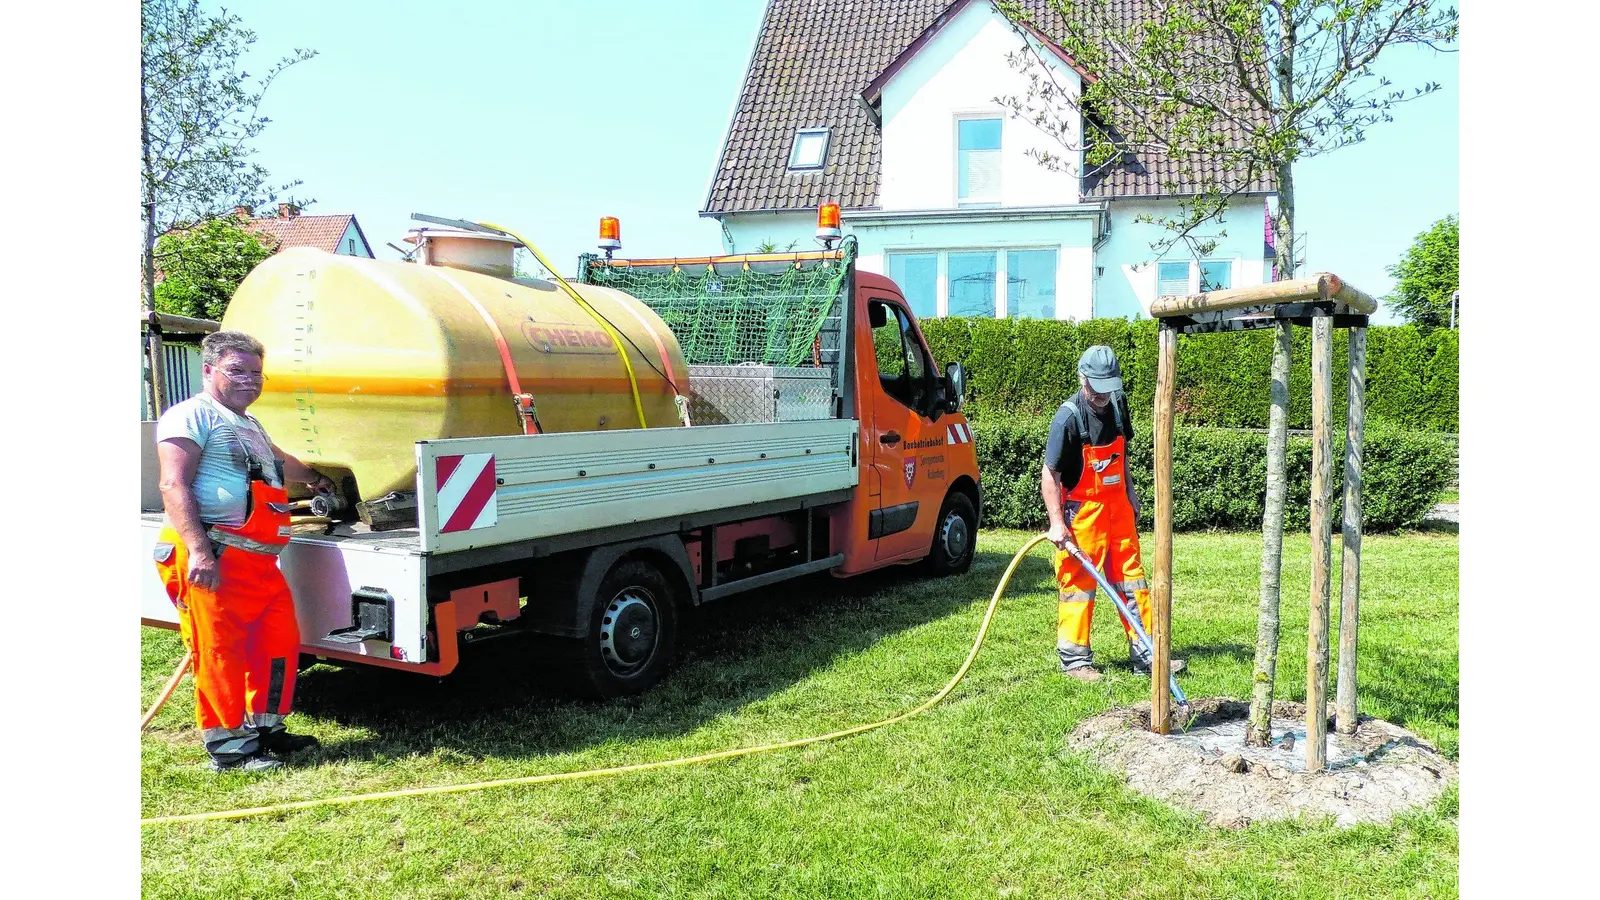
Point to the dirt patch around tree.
(1371, 775)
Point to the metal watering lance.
(1132, 618)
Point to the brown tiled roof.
(321, 232)
(811, 64)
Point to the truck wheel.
(955, 536)
(632, 633)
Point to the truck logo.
(911, 471)
(565, 337)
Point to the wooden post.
(158, 373)
(1321, 542)
(1350, 582)
(1161, 584)
(1259, 729)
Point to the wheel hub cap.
(955, 536)
(628, 629)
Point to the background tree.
(1290, 79)
(202, 267)
(199, 111)
(1427, 274)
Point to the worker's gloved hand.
(203, 570)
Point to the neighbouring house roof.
(823, 64)
(321, 232)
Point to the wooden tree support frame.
(1322, 302)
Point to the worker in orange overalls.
(222, 484)
(1090, 501)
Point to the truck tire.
(955, 536)
(631, 635)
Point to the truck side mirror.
(955, 391)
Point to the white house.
(891, 109)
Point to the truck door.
(900, 432)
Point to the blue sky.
(545, 116)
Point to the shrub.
(1223, 380)
(1219, 476)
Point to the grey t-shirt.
(222, 480)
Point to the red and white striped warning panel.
(466, 492)
(958, 433)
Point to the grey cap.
(1099, 365)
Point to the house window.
(1172, 279)
(810, 148)
(1031, 284)
(917, 274)
(978, 160)
(351, 244)
(972, 283)
(1216, 275)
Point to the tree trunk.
(1283, 222)
(1259, 731)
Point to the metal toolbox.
(728, 395)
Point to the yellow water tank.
(366, 357)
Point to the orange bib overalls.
(244, 637)
(1101, 519)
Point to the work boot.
(1173, 665)
(1083, 673)
(255, 762)
(283, 742)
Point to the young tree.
(199, 111)
(1221, 97)
(203, 265)
(1428, 274)
(1231, 92)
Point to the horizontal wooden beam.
(175, 324)
(1299, 290)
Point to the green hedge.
(1220, 476)
(1224, 380)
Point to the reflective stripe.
(1073, 656)
(227, 744)
(1127, 587)
(275, 685)
(264, 721)
(1076, 597)
(229, 539)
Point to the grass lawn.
(976, 798)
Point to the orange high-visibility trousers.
(1103, 525)
(245, 640)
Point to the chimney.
(288, 210)
(242, 212)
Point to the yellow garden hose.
(616, 339)
(961, 673)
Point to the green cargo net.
(770, 313)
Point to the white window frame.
(1193, 286)
(1002, 260)
(794, 150)
(955, 157)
